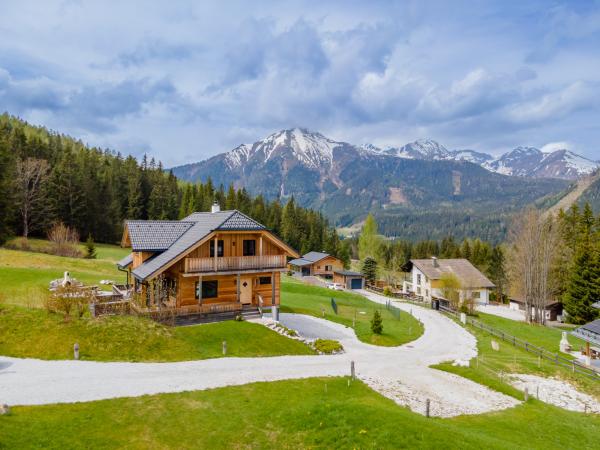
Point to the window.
(210, 289)
(264, 280)
(249, 247)
(418, 291)
(418, 278)
(220, 247)
(476, 294)
(328, 268)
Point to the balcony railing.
(231, 263)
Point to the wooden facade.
(326, 266)
(226, 267)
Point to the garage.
(349, 279)
(356, 283)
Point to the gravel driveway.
(400, 373)
(502, 311)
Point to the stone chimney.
(435, 261)
(215, 207)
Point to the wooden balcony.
(235, 263)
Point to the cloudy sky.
(186, 80)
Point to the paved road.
(400, 373)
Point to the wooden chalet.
(208, 263)
(316, 264)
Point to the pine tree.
(497, 272)
(90, 248)
(6, 189)
(377, 323)
(369, 269)
(465, 250)
(583, 286)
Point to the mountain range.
(346, 181)
(522, 161)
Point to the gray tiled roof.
(202, 225)
(125, 261)
(300, 262)
(155, 235)
(315, 256)
(466, 272)
(239, 221)
(348, 273)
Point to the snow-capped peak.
(420, 149)
(238, 156)
(315, 151)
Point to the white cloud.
(553, 146)
(192, 79)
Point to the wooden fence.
(557, 359)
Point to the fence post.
(427, 406)
(352, 371)
(224, 347)
(76, 351)
(526, 393)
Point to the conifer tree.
(6, 188)
(583, 286)
(377, 323)
(90, 248)
(369, 269)
(497, 272)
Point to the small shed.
(349, 279)
(552, 310)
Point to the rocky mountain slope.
(346, 181)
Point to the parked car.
(335, 286)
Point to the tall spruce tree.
(583, 286)
(6, 189)
(369, 269)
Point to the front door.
(245, 290)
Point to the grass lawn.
(28, 332)
(297, 297)
(24, 276)
(542, 336)
(310, 413)
(487, 369)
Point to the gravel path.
(400, 373)
(556, 392)
(502, 311)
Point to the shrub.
(387, 291)
(66, 299)
(64, 241)
(327, 346)
(239, 318)
(377, 323)
(20, 243)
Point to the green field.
(32, 332)
(542, 336)
(24, 276)
(300, 298)
(491, 366)
(28, 330)
(310, 413)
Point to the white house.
(426, 276)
